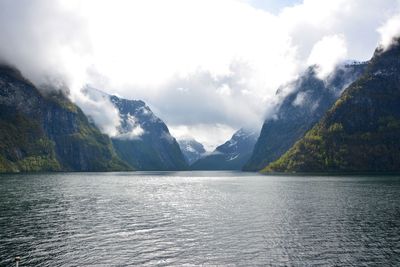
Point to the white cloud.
(389, 30)
(182, 56)
(134, 134)
(356, 20)
(132, 128)
(100, 109)
(327, 53)
(300, 99)
(210, 135)
(224, 90)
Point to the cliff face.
(191, 149)
(231, 155)
(143, 140)
(46, 132)
(361, 132)
(308, 100)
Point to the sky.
(272, 6)
(206, 67)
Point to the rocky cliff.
(361, 132)
(143, 139)
(231, 155)
(44, 131)
(305, 101)
(191, 149)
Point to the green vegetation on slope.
(23, 145)
(155, 149)
(137, 153)
(361, 132)
(48, 132)
(80, 145)
(308, 100)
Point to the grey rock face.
(308, 100)
(191, 149)
(143, 139)
(231, 155)
(45, 131)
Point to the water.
(209, 218)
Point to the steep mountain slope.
(47, 132)
(144, 140)
(361, 132)
(191, 149)
(309, 99)
(231, 155)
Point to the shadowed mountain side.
(231, 155)
(47, 132)
(143, 139)
(191, 149)
(308, 100)
(361, 132)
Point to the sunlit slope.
(361, 132)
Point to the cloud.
(44, 39)
(209, 135)
(98, 107)
(327, 53)
(300, 99)
(105, 114)
(356, 20)
(131, 129)
(197, 63)
(389, 30)
(101, 111)
(210, 99)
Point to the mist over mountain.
(45, 131)
(360, 133)
(203, 89)
(304, 102)
(142, 139)
(231, 155)
(199, 133)
(191, 149)
(235, 63)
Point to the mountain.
(231, 155)
(44, 131)
(361, 132)
(308, 99)
(144, 141)
(191, 149)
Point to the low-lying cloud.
(327, 53)
(98, 107)
(389, 30)
(200, 64)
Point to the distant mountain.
(361, 132)
(44, 131)
(231, 155)
(191, 149)
(144, 141)
(307, 101)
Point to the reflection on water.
(206, 218)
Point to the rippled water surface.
(193, 218)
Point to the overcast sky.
(206, 67)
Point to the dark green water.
(209, 218)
